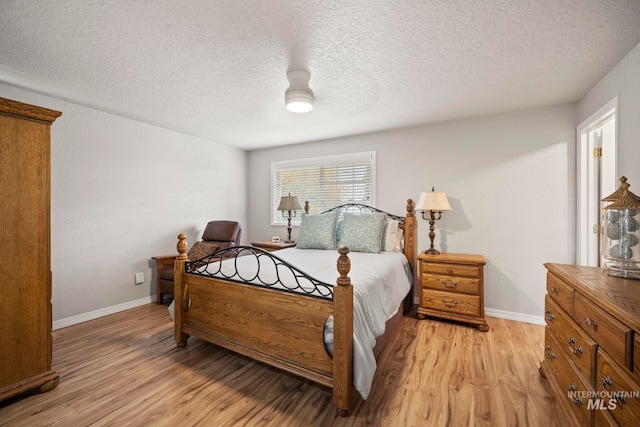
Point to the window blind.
(325, 182)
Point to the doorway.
(597, 154)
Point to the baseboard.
(74, 320)
(511, 315)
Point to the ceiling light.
(298, 97)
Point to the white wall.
(121, 191)
(624, 82)
(510, 179)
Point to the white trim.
(581, 171)
(512, 315)
(80, 318)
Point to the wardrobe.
(25, 249)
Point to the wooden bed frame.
(281, 329)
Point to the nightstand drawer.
(612, 336)
(452, 269)
(452, 302)
(613, 380)
(465, 285)
(577, 345)
(560, 292)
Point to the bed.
(288, 310)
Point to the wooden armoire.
(25, 249)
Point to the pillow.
(389, 235)
(399, 240)
(362, 233)
(317, 231)
(201, 250)
(339, 223)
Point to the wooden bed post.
(179, 291)
(410, 242)
(343, 389)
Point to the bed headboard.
(407, 224)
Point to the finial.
(410, 206)
(182, 246)
(344, 265)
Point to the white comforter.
(380, 282)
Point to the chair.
(217, 235)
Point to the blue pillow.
(317, 231)
(362, 233)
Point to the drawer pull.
(551, 356)
(447, 285)
(553, 290)
(547, 347)
(550, 316)
(620, 397)
(590, 322)
(577, 350)
(450, 304)
(450, 271)
(576, 400)
(571, 341)
(606, 382)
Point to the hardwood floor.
(125, 370)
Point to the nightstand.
(452, 288)
(271, 246)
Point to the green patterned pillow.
(317, 231)
(362, 233)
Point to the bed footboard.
(282, 329)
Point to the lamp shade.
(432, 201)
(289, 203)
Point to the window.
(325, 182)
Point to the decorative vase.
(620, 238)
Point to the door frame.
(582, 157)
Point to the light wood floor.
(125, 370)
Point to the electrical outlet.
(139, 278)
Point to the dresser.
(452, 288)
(25, 266)
(592, 345)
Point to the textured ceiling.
(217, 68)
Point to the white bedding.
(380, 282)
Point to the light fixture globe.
(298, 98)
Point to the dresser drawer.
(604, 419)
(613, 380)
(612, 336)
(465, 285)
(451, 302)
(572, 385)
(451, 269)
(561, 293)
(577, 345)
